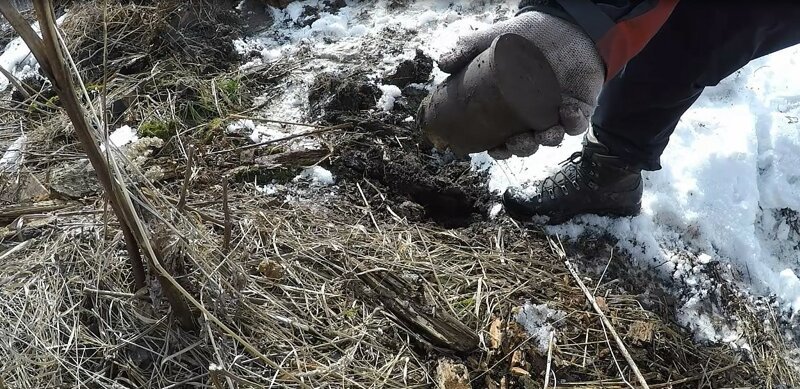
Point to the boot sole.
(619, 212)
(561, 218)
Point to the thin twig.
(265, 120)
(695, 378)
(20, 247)
(18, 85)
(560, 251)
(226, 240)
(549, 359)
(187, 177)
(284, 139)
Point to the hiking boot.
(590, 181)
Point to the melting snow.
(17, 58)
(123, 136)
(730, 178)
(390, 95)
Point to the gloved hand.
(574, 59)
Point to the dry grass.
(290, 286)
(287, 305)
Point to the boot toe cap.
(518, 203)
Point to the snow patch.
(17, 59)
(729, 177)
(316, 175)
(123, 136)
(390, 95)
(539, 322)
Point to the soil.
(387, 151)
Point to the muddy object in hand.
(507, 90)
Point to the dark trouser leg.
(702, 43)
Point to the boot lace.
(567, 177)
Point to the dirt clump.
(332, 94)
(411, 71)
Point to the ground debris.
(451, 375)
(332, 94)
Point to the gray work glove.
(574, 59)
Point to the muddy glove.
(574, 59)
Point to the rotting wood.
(11, 212)
(433, 325)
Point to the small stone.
(270, 269)
(411, 210)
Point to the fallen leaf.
(517, 359)
(641, 332)
(601, 302)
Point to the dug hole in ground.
(271, 155)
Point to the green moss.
(163, 129)
(53, 102)
(231, 88)
(91, 87)
(350, 313)
(212, 129)
(465, 304)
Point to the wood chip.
(520, 372)
(451, 375)
(518, 359)
(495, 334)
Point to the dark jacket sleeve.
(619, 28)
